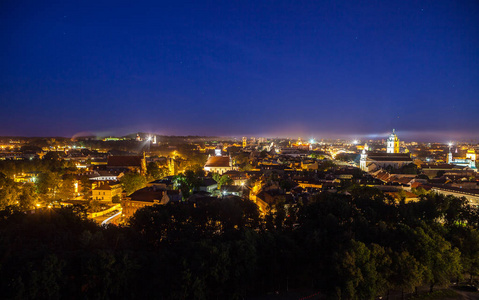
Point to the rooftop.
(218, 162)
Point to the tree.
(222, 180)
(155, 171)
(132, 182)
(466, 239)
(406, 272)
(187, 182)
(9, 192)
(357, 268)
(28, 197)
(66, 188)
(48, 183)
(442, 261)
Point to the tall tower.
(450, 159)
(393, 143)
(244, 142)
(363, 160)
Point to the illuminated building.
(374, 161)
(106, 192)
(218, 163)
(147, 197)
(471, 154)
(393, 143)
(218, 151)
(244, 142)
(469, 161)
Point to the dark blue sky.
(309, 68)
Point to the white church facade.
(219, 163)
(469, 161)
(371, 161)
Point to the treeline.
(346, 246)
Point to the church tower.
(244, 142)
(218, 151)
(363, 160)
(450, 159)
(393, 143)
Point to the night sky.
(275, 68)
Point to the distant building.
(101, 175)
(393, 143)
(238, 177)
(373, 161)
(218, 163)
(106, 192)
(377, 160)
(128, 163)
(232, 190)
(208, 185)
(469, 161)
(433, 169)
(147, 197)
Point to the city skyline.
(256, 68)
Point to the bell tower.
(363, 160)
(393, 143)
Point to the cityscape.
(239, 150)
(152, 183)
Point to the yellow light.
(49, 206)
(38, 204)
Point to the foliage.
(156, 171)
(222, 180)
(132, 182)
(14, 194)
(352, 245)
(188, 181)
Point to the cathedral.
(371, 161)
(219, 163)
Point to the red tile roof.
(124, 161)
(218, 162)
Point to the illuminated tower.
(363, 159)
(393, 143)
(244, 142)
